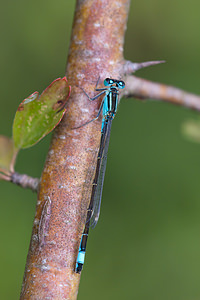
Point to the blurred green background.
(147, 242)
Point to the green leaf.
(6, 152)
(38, 115)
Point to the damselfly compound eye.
(107, 81)
(121, 84)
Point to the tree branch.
(141, 88)
(96, 50)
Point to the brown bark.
(96, 50)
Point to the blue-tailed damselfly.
(109, 108)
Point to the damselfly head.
(119, 83)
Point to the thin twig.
(5, 172)
(130, 67)
(22, 180)
(25, 181)
(4, 177)
(145, 89)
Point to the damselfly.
(109, 108)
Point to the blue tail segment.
(109, 109)
(81, 257)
